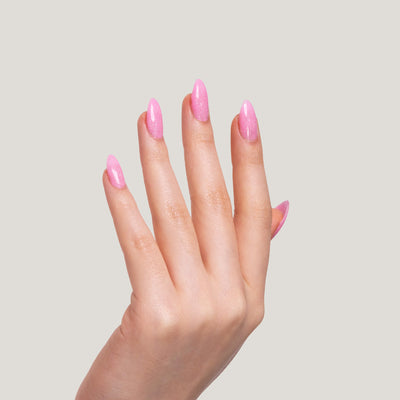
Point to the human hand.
(198, 283)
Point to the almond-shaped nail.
(114, 172)
(154, 119)
(284, 209)
(199, 101)
(248, 122)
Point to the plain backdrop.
(323, 77)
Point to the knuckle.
(177, 213)
(262, 213)
(203, 138)
(125, 204)
(166, 322)
(255, 156)
(143, 242)
(205, 316)
(237, 312)
(259, 213)
(157, 153)
(216, 199)
(257, 316)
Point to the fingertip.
(143, 131)
(186, 106)
(235, 123)
(141, 121)
(104, 177)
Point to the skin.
(198, 283)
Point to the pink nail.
(248, 122)
(284, 208)
(199, 101)
(114, 172)
(154, 119)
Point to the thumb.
(279, 214)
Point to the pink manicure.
(199, 101)
(154, 119)
(248, 122)
(114, 172)
(284, 208)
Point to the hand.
(198, 284)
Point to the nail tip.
(199, 89)
(198, 82)
(246, 103)
(152, 103)
(110, 159)
(284, 207)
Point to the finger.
(279, 215)
(146, 267)
(211, 207)
(252, 213)
(173, 227)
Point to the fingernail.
(114, 172)
(199, 101)
(248, 122)
(154, 119)
(284, 208)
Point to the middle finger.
(210, 202)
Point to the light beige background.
(324, 80)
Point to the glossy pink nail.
(114, 172)
(284, 208)
(248, 122)
(199, 101)
(154, 119)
